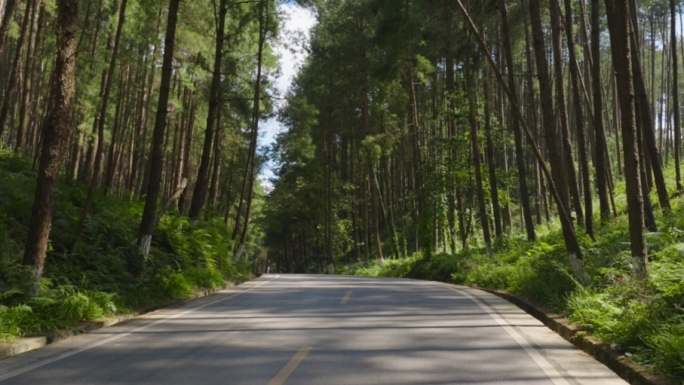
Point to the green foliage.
(398, 268)
(57, 307)
(666, 345)
(645, 320)
(102, 274)
(175, 284)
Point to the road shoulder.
(556, 338)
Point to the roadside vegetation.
(517, 145)
(128, 153)
(520, 145)
(643, 319)
(100, 274)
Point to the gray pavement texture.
(359, 331)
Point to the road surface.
(306, 330)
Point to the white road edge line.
(545, 365)
(119, 336)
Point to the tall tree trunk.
(186, 157)
(475, 148)
(101, 122)
(561, 107)
(251, 161)
(157, 152)
(493, 182)
(10, 6)
(14, 75)
(372, 194)
(55, 135)
(620, 37)
(22, 128)
(675, 95)
(571, 242)
(517, 132)
(415, 148)
(646, 120)
(601, 150)
(199, 195)
(216, 165)
(579, 121)
(548, 115)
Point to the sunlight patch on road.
(543, 364)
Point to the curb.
(629, 370)
(26, 344)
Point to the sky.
(298, 23)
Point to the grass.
(646, 320)
(105, 275)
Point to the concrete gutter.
(23, 345)
(624, 367)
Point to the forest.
(530, 146)
(128, 154)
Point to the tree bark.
(22, 128)
(675, 95)
(216, 165)
(251, 161)
(571, 242)
(14, 75)
(475, 148)
(157, 152)
(618, 13)
(55, 136)
(493, 182)
(517, 132)
(199, 195)
(601, 150)
(561, 106)
(646, 120)
(579, 121)
(99, 149)
(10, 6)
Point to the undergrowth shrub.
(666, 347)
(102, 273)
(645, 320)
(175, 284)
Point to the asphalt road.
(294, 329)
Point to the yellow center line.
(291, 366)
(346, 298)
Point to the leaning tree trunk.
(55, 136)
(620, 33)
(646, 120)
(157, 152)
(573, 248)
